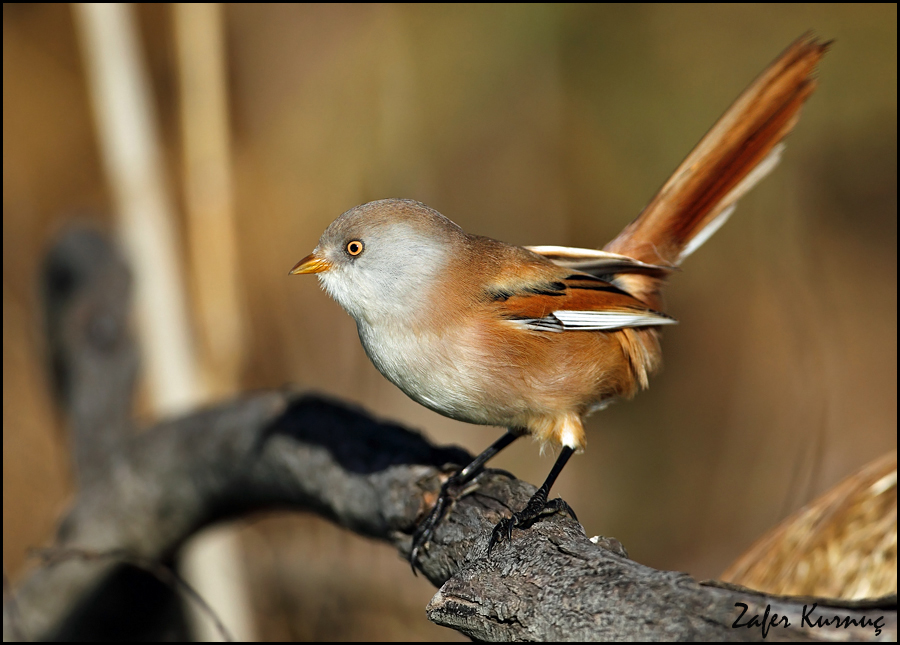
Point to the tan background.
(535, 125)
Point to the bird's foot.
(455, 486)
(536, 507)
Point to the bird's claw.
(424, 532)
(535, 508)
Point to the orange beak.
(311, 264)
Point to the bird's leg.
(537, 505)
(451, 488)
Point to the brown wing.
(597, 263)
(572, 302)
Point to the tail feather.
(741, 148)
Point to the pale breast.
(432, 369)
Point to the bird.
(535, 339)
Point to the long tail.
(741, 148)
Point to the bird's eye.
(355, 247)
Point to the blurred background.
(535, 125)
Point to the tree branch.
(274, 450)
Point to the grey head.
(379, 260)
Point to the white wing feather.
(564, 320)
